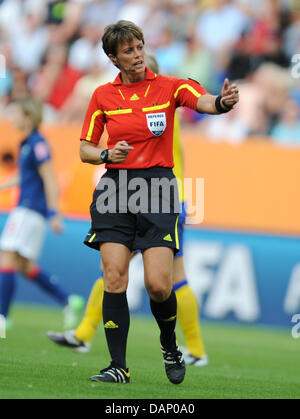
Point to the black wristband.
(219, 107)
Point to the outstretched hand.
(230, 94)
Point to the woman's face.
(130, 57)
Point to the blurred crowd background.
(53, 50)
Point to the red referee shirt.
(142, 114)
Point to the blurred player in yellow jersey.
(187, 307)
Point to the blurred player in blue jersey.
(23, 236)
(187, 307)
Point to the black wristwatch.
(104, 156)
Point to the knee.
(115, 279)
(159, 291)
(8, 261)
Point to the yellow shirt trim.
(118, 112)
(92, 124)
(145, 95)
(157, 107)
(121, 94)
(190, 88)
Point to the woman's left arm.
(52, 195)
(215, 105)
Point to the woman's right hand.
(119, 153)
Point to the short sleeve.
(94, 121)
(187, 93)
(41, 152)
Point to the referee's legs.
(115, 259)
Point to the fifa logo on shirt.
(157, 123)
(2, 327)
(296, 66)
(2, 67)
(296, 328)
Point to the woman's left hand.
(230, 94)
(56, 224)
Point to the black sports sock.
(116, 324)
(165, 315)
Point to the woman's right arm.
(12, 182)
(92, 131)
(90, 153)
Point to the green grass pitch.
(245, 362)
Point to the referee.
(138, 110)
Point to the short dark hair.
(117, 33)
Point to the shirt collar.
(149, 76)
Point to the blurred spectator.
(63, 19)
(100, 12)
(53, 48)
(20, 84)
(265, 35)
(226, 127)
(6, 82)
(10, 16)
(170, 54)
(30, 38)
(134, 10)
(75, 107)
(159, 16)
(221, 25)
(274, 82)
(287, 131)
(241, 62)
(85, 50)
(182, 19)
(17, 90)
(262, 97)
(56, 79)
(56, 11)
(197, 63)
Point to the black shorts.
(135, 207)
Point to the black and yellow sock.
(116, 324)
(165, 315)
